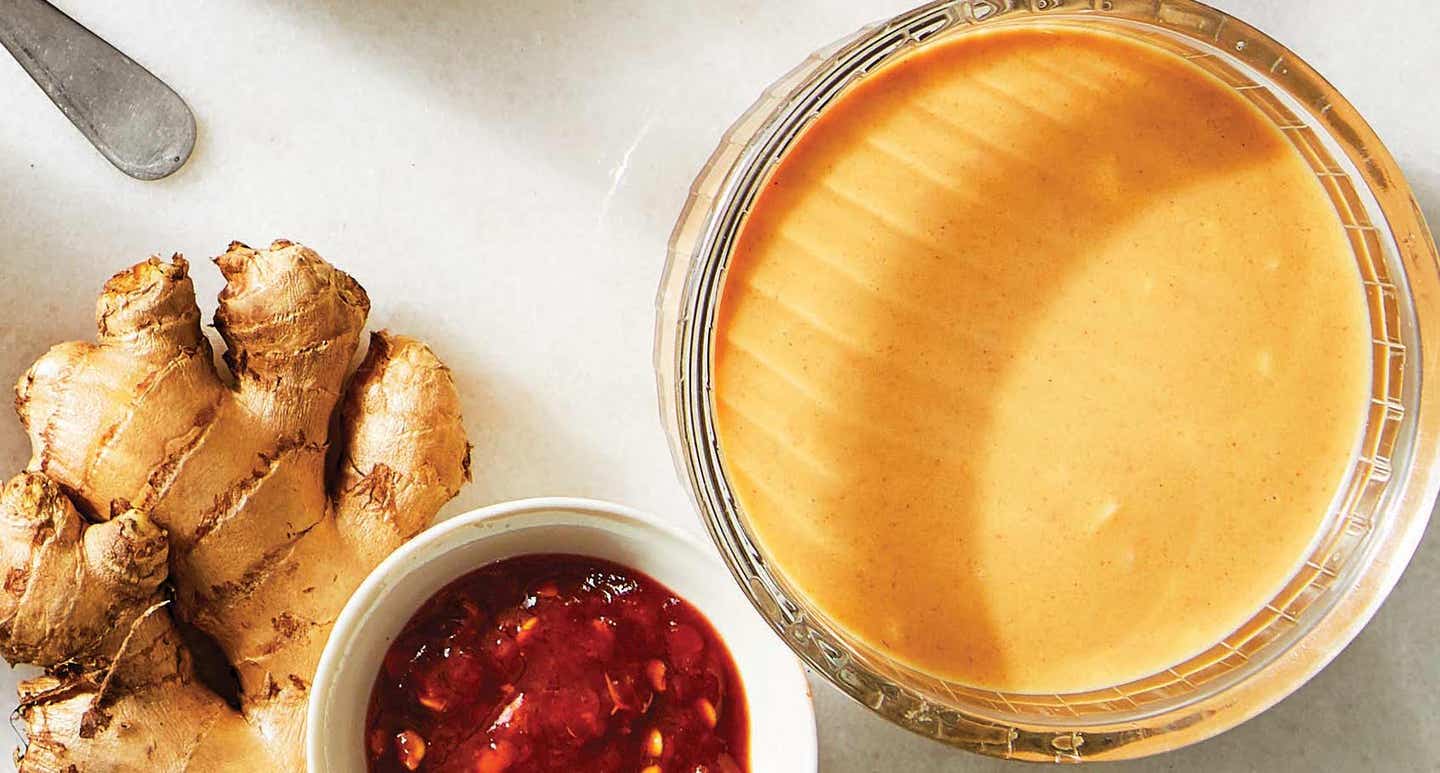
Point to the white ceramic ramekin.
(782, 717)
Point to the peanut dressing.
(1040, 359)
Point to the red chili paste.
(557, 663)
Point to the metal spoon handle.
(137, 122)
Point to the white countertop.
(502, 178)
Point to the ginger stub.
(162, 494)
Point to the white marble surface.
(502, 177)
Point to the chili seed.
(527, 627)
(655, 671)
(707, 712)
(410, 747)
(432, 701)
(655, 743)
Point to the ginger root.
(160, 496)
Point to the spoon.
(136, 121)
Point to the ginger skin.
(251, 510)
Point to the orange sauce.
(1040, 359)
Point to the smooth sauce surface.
(1040, 359)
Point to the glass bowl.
(1381, 507)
